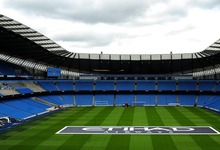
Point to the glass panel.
(115, 57)
(187, 56)
(105, 56)
(135, 57)
(166, 56)
(94, 56)
(156, 57)
(84, 56)
(176, 56)
(125, 57)
(145, 57)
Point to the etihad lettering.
(137, 130)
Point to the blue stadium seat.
(202, 100)
(12, 69)
(166, 85)
(187, 100)
(125, 85)
(64, 86)
(187, 85)
(84, 85)
(166, 99)
(109, 98)
(104, 85)
(206, 85)
(35, 103)
(146, 85)
(149, 99)
(84, 100)
(217, 88)
(19, 104)
(1, 115)
(124, 98)
(213, 102)
(51, 99)
(49, 86)
(13, 112)
(24, 90)
(67, 99)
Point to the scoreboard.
(53, 72)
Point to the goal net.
(101, 103)
(139, 103)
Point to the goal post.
(139, 103)
(101, 103)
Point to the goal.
(139, 103)
(101, 103)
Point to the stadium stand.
(84, 99)
(124, 98)
(138, 80)
(13, 112)
(166, 100)
(11, 70)
(104, 85)
(125, 85)
(104, 100)
(34, 86)
(64, 86)
(68, 100)
(213, 103)
(187, 100)
(149, 99)
(84, 85)
(187, 85)
(24, 90)
(146, 85)
(207, 85)
(166, 85)
(49, 86)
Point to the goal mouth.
(139, 103)
(101, 103)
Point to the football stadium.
(51, 98)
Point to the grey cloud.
(90, 39)
(207, 4)
(181, 30)
(88, 11)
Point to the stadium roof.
(22, 45)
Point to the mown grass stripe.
(13, 134)
(201, 113)
(17, 135)
(154, 119)
(140, 119)
(82, 139)
(182, 142)
(49, 131)
(122, 141)
(101, 141)
(208, 143)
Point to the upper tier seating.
(125, 85)
(65, 86)
(84, 85)
(206, 85)
(104, 85)
(187, 85)
(9, 69)
(146, 85)
(49, 86)
(166, 85)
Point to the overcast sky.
(121, 26)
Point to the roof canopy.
(27, 45)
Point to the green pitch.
(40, 134)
